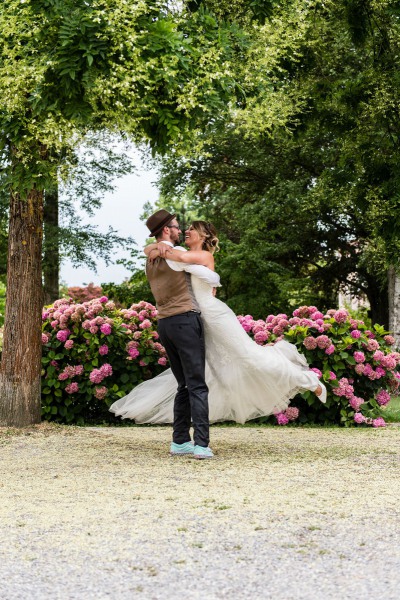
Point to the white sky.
(121, 210)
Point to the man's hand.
(152, 255)
(163, 249)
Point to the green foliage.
(303, 180)
(68, 67)
(85, 370)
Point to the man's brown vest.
(171, 289)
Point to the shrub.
(86, 293)
(94, 354)
(356, 364)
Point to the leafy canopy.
(146, 68)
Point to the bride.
(245, 380)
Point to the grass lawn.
(391, 413)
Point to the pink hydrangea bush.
(94, 354)
(358, 365)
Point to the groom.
(181, 333)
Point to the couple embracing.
(218, 373)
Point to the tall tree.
(304, 179)
(68, 67)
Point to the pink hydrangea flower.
(162, 361)
(54, 363)
(378, 355)
(106, 329)
(246, 324)
(63, 335)
(389, 339)
(332, 376)
(380, 372)
(103, 299)
(317, 315)
(93, 329)
(372, 345)
(330, 349)
(341, 315)
(355, 403)
(78, 369)
(261, 336)
(63, 376)
(379, 422)
(142, 363)
(133, 352)
(45, 338)
(292, 413)
(359, 369)
(359, 418)
(344, 388)
(359, 357)
(100, 392)
(310, 343)
(294, 321)
(103, 350)
(72, 388)
(96, 376)
(146, 324)
(282, 419)
(355, 334)
(383, 398)
(106, 370)
(69, 344)
(389, 362)
(323, 341)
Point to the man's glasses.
(176, 226)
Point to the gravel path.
(279, 513)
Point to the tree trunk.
(51, 255)
(394, 304)
(379, 302)
(21, 358)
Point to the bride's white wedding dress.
(245, 380)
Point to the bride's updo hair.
(207, 230)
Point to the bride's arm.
(200, 257)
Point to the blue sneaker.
(181, 449)
(200, 452)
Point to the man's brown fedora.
(160, 219)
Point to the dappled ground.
(280, 513)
